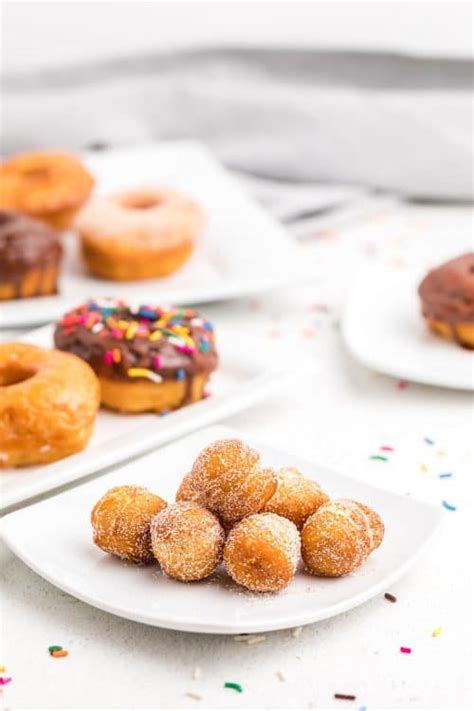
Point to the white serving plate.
(64, 553)
(244, 377)
(383, 328)
(243, 250)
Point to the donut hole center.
(140, 201)
(15, 374)
(36, 175)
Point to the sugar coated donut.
(296, 497)
(139, 234)
(48, 404)
(121, 522)
(45, 185)
(187, 541)
(231, 479)
(339, 537)
(447, 300)
(148, 358)
(261, 552)
(30, 254)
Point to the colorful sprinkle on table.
(391, 598)
(436, 632)
(2, 669)
(57, 651)
(428, 441)
(386, 448)
(193, 695)
(345, 697)
(405, 650)
(4, 680)
(445, 475)
(423, 468)
(402, 384)
(233, 685)
(280, 675)
(448, 506)
(379, 457)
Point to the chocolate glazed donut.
(30, 253)
(149, 358)
(447, 300)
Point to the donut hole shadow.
(15, 374)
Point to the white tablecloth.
(339, 416)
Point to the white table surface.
(339, 416)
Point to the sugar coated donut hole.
(296, 497)
(339, 537)
(121, 522)
(187, 492)
(231, 479)
(262, 551)
(187, 541)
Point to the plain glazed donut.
(48, 186)
(139, 234)
(48, 404)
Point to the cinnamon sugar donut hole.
(231, 480)
(187, 541)
(261, 552)
(121, 522)
(296, 497)
(187, 492)
(139, 234)
(339, 537)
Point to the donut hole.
(36, 175)
(140, 201)
(15, 374)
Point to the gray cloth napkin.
(315, 133)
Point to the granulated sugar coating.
(232, 480)
(262, 552)
(339, 537)
(121, 522)
(187, 541)
(296, 497)
(187, 492)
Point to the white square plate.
(244, 376)
(64, 554)
(383, 328)
(242, 250)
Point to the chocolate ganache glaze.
(25, 244)
(148, 343)
(447, 293)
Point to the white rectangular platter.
(242, 250)
(242, 378)
(65, 555)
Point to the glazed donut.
(339, 537)
(121, 522)
(447, 300)
(147, 359)
(139, 234)
(187, 541)
(48, 404)
(262, 551)
(296, 497)
(30, 254)
(231, 480)
(48, 186)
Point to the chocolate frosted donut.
(30, 253)
(447, 300)
(147, 359)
